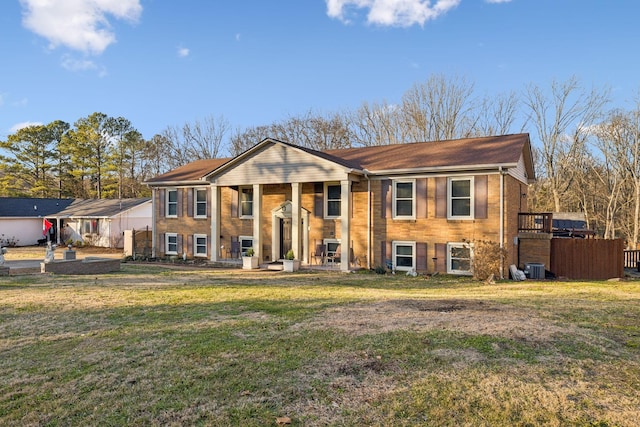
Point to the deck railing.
(631, 258)
(535, 222)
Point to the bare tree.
(439, 109)
(242, 140)
(562, 119)
(377, 124)
(619, 143)
(202, 139)
(497, 114)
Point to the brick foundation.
(89, 265)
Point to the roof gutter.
(498, 166)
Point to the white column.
(345, 216)
(296, 225)
(257, 221)
(215, 223)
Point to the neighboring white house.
(21, 219)
(99, 222)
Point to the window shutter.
(480, 196)
(386, 202)
(190, 244)
(421, 257)
(318, 200)
(234, 202)
(162, 240)
(421, 198)
(161, 201)
(190, 192)
(441, 257)
(386, 251)
(208, 196)
(180, 245)
(179, 203)
(441, 197)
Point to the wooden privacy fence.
(587, 259)
(141, 243)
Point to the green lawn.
(157, 346)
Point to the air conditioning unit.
(535, 269)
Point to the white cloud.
(183, 52)
(73, 64)
(396, 13)
(81, 25)
(15, 128)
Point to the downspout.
(501, 222)
(368, 220)
(154, 194)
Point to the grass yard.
(156, 346)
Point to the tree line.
(587, 153)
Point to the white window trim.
(166, 243)
(240, 214)
(195, 202)
(459, 245)
(195, 245)
(394, 245)
(243, 238)
(413, 198)
(167, 203)
(326, 199)
(471, 198)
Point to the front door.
(285, 236)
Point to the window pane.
(333, 192)
(247, 209)
(458, 252)
(461, 188)
(461, 264)
(201, 195)
(172, 239)
(404, 261)
(201, 241)
(173, 196)
(404, 190)
(333, 208)
(461, 207)
(201, 209)
(404, 250)
(404, 207)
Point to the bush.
(487, 259)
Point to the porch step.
(275, 265)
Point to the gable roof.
(459, 154)
(30, 207)
(100, 208)
(192, 171)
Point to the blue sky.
(162, 63)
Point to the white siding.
(26, 231)
(278, 163)
(520, 172)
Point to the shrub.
(487, 259)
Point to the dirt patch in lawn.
(469, 316)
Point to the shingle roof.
(26, 207)
(190, 172)
(493, 150)
(100, 208)
(458, 153)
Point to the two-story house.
(416, 206)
